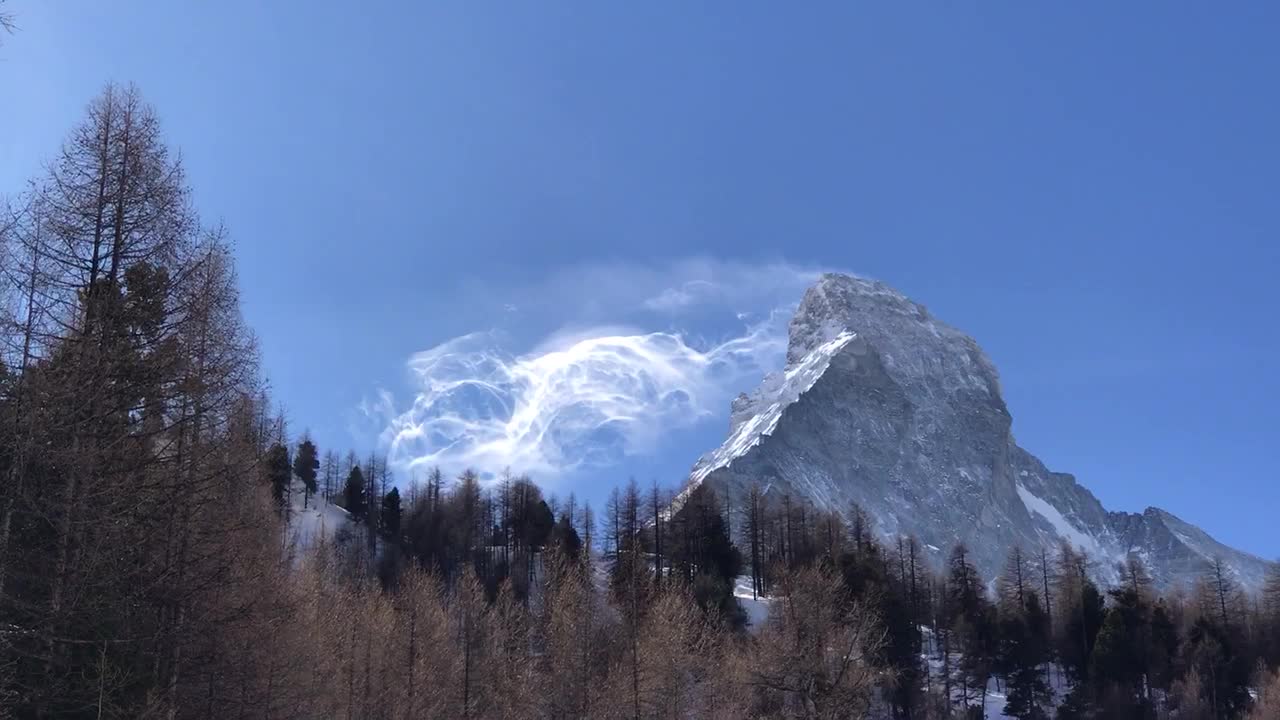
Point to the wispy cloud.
(675, 299)
(595, 395)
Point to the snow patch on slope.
(755, 606)
(1060, 524)
(320, 520)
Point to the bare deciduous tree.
(815, 654)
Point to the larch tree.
(130, 540)
(815, 653)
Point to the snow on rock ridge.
(795, 381)
(885, 406)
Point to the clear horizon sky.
(1089, 189)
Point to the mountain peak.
(885, 406)
(914, 346)
(837, 302)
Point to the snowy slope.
(318, 520)
(1062, 527)
(756, 607)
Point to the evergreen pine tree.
(1163, 648)
(1014, 661)
(1024, 649)
(1217, 653)
(974, 624)
(353, 496)
(700, 550)
(305, 466)
(279, 473)
(565, 540)
(391, 515)
(1119, 659)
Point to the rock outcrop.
(883, 405)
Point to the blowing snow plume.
(592, 398)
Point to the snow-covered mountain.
(883, 405)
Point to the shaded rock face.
(882, 405)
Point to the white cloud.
(593, 395)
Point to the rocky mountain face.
(882, 405)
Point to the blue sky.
(1087, 189)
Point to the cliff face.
(883, 405)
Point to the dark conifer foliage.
(699, 553)
(354, 497)
(279, 473)
(391, 512)
(1024, 653)
(565, 538)
(306, 465)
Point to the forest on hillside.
(150, 490)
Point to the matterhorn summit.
(885, 406)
